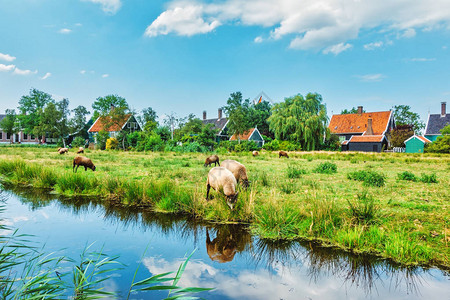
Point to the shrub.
(369, 178)
(407, 176)
(429, 178)
(326, 168)
(272, 146)
(78, 142)
(111, 144)
(293, 172)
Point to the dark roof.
(218, 123)
(435, 123)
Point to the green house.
(415, 144)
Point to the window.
(25, 136)
(32, 136)
(8, 136)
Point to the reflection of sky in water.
(257, 271)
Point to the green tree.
(78, 123)
(31, 109)
(103, 105)
(400, 134)
(353, 110)
(301, 120)
(258, 115)
(442, 143)
(207, 136)
(10, 124)
(148, 119)
(237, 111)
(404, 116)
(55, 120)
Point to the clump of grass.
(407, 176)
(294, 172)
(263, 178)
(288, 187)
(363, 209)
(76, 183)
(432, 178)
(326, 168)
(277, 221)
(369, 178)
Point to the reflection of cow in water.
(229, 240)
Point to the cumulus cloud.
(6, 68)
(47, 75)
(309, 24)
(83, 72)
(65, 31)
(108, 6)
(18, 71)
(336, 49)
(105, 75)
(371, 77)
(6, 57)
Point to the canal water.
(227, 258)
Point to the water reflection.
(292, 267)
(229, 240)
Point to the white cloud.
(422, 59)
(310, 24)
(373, 46)
(18, 71)
(371, 77)
(6, 57)
(105, 75)
(408, 33)
(78, 24)
(6, 68)
(108, 6)
(336, 49)
(83, 72)
(65, 31)
(181, 20)
(47, 75)
(258, 39)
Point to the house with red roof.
(363, 131)
(128, 123)
(252, 134)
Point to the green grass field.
(394, 205)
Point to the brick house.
(19, 137)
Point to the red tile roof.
(366, 138)
(424, 139)
(243, 137)
(99, 124)
(357, 123)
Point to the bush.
(441, 145)
(429, 178)
(78, 142)
(369, 178)
(407, 176)
(282, 145)
(101, 137)
(272, 146)
(111, 144)
(326, 168)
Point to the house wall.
(432, 138)
(367, 147)
(16, 138)
(414, 146)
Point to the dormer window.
(351, 127)
(335, 127)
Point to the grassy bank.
(392, 205)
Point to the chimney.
(369, 130)
(219, 111)
(360, 110)
(443, 109)
(204, 115)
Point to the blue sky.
(188, 56)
